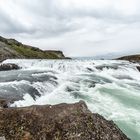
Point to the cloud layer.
(78, 27)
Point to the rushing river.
(110, 88)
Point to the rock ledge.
(57, 122)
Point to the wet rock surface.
(57, 122)
(107, 67)
(138, 68)
(9, 66)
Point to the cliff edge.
(12, 49)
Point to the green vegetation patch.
(31, 52)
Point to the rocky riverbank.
(57, 122)
(12, 49)
(131, 58)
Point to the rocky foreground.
(57, 122)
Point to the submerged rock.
(9, 66)
(107, 67)
(57, 122)
(138, 68)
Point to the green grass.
(28, 52)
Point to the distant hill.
(132, 58)
(10, 48)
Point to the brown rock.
(3, 103)
(57, 122)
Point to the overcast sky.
(77, 27)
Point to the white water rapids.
(109, 87)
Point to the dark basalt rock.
(57, 122)
(107, 67)
(90, 70)
(138, 67)
(9, 66)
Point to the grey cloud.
(43, 23)
(10, 25)
(76, 30)
(51, 20)
(49, 8)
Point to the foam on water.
(109, 87)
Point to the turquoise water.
(110, 88)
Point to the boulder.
(9, 66)
(56, 122)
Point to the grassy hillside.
(10, 48)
